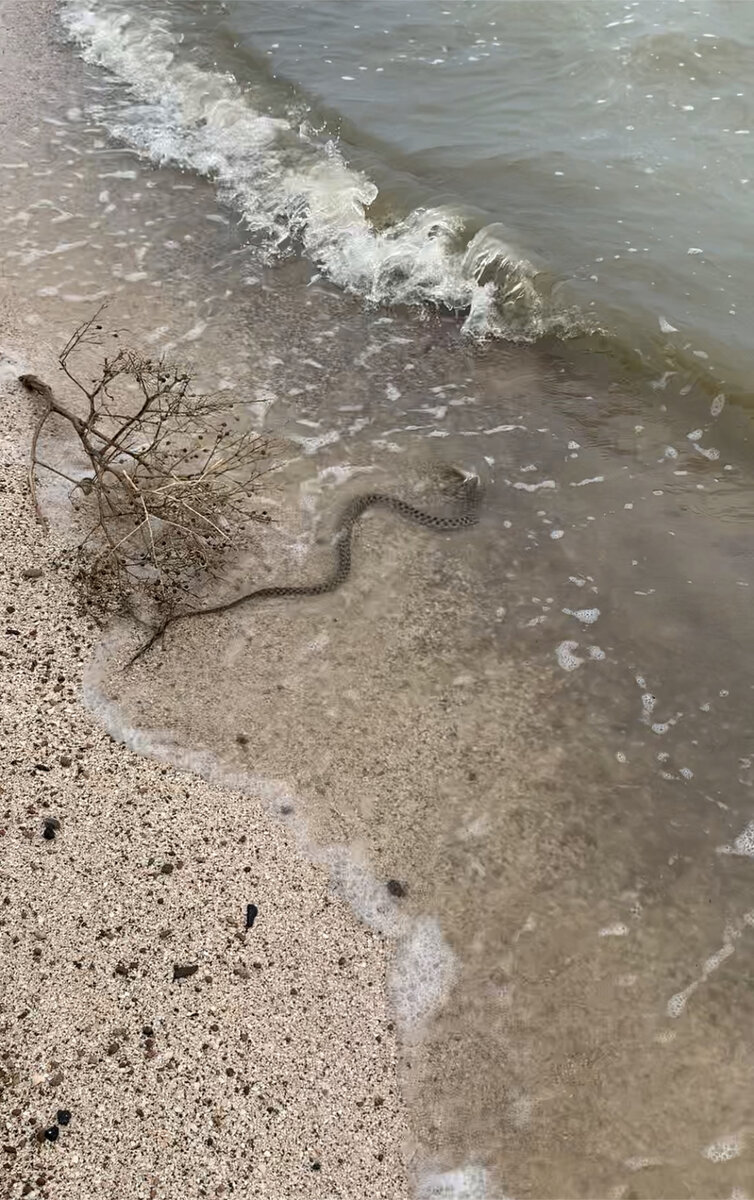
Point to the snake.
(466, 514)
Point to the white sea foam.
(743, 844)
(424, 966)
(724, 1149)
(567, 657)
(463, 1183)
(295, 191)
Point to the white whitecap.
(295, 190)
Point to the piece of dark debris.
(184, 972)
(252, 912)
(50, 827)
(396, 888)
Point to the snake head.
(460, 481)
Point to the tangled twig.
(171, 476)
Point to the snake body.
(467, 514)
(468, 495)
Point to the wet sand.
(588, 1032)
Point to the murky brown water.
(540, 727)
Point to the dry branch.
(171, 476)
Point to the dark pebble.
(63, 1116)
(316, 1166)
(50, 828)
(252, 913)
(52, 1134)
(186, 972)
(396, 888)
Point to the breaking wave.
(297, 194)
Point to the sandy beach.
(267, 1067)
(270, 1069)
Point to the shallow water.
(536, 166)
(540, 727)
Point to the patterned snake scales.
(468, 494)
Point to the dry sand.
(270, 1070)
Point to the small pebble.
(252, 913)
(50, 828)
(32, 573)
(396, 888)
(63, 1116)
(184, 972)
(52, 1134)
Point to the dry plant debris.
(171, 480)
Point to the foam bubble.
(587, 616)
(566, 656)
(423, 972)
(463, 1183)
(640, 1163)
(666, 327)
(310, 445)
(743, 844)
(723, 1150)
(534, 487)
(677, 1004)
